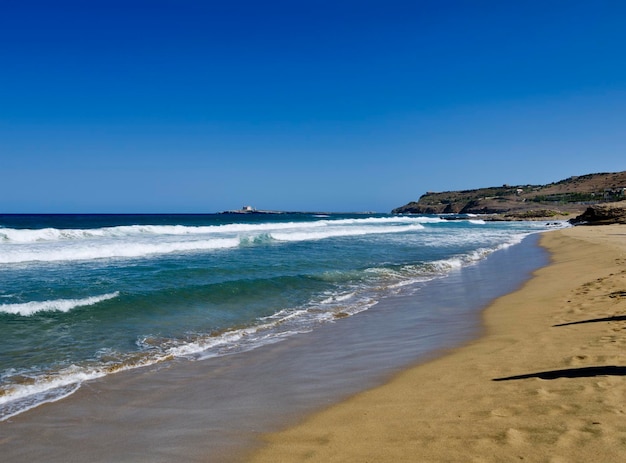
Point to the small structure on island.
(243, 210)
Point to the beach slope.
(546, 383)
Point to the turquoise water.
(84, 296)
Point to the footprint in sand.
(515, 437)
(577, 360)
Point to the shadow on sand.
(585, 372)
(616, 318)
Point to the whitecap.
(57, 305)
(123, 249)
(342, 232)
(12, 235)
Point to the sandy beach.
(546, 382)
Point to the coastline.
(545, 382)
(216, 409)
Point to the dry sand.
(546, 383)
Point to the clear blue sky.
(200, 106)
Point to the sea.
(86, 296)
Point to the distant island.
(251, 210)
(513, 202)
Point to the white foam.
(136, 241)
(104, 250)
(343, 232)
(19, 398)
(58, 305)
(338, 298)
(16, 405)
(12, 235)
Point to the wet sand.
(216, 410)
(546, 382)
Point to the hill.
(565, 197)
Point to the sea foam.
(58, 305)
(342, 232)
(138, 241)
(14, 235)
(109, 250)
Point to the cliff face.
(525, 201)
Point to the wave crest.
(58, 305)
(137, 241)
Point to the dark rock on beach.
(602, 214)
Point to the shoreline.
(216, 409)
(545, 382)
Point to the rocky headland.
(573, 196)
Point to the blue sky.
(201, 106)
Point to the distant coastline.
(249, 210)
(559, 200)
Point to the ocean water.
(85, 296)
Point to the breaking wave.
(137, 241)
(14, 235)
(27, 309)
